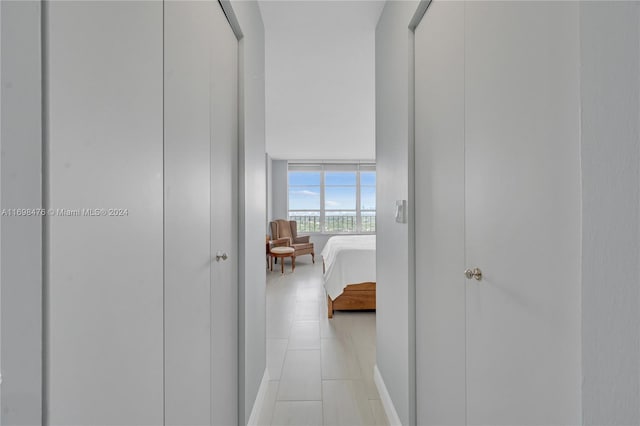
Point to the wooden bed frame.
(356, 297)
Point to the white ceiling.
(320, 85)
(320, 14)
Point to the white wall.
(252, 184)
(395, 289)
(21, 245)
(279, 189)
(320, 79)
(610, 213)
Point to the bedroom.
(321, 174)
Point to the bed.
(349, 273)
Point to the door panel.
(105, 320)
(498, 188)
(439, 151)
(201, 135)
(224, 221)
(188, 258)
(522, 212)
(104, 278)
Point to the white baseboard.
(259, 402)
(387, 404)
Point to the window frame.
(323, 168)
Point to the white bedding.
(348, 259)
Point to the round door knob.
(474, 273)
(221, 256)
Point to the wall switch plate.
(401, 211)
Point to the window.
(304, 199)
(333, 198)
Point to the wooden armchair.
(286, 232)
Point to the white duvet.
(348, 259)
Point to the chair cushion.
(282, 250)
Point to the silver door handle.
(474, 273)
(221, 256)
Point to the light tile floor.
(321, 369)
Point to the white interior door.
(498, 187)
(187, 167)
(141, 328)
(439, 195)
(104, 294)
(201, 134)
(523, 212)
(224, 221)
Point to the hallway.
(492, 147)
(320, 370)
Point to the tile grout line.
(354, 350)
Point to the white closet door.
(224, 221)
(201, 138)
(439, 182)
(104, 144)
(188, 258)
(523, 212)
